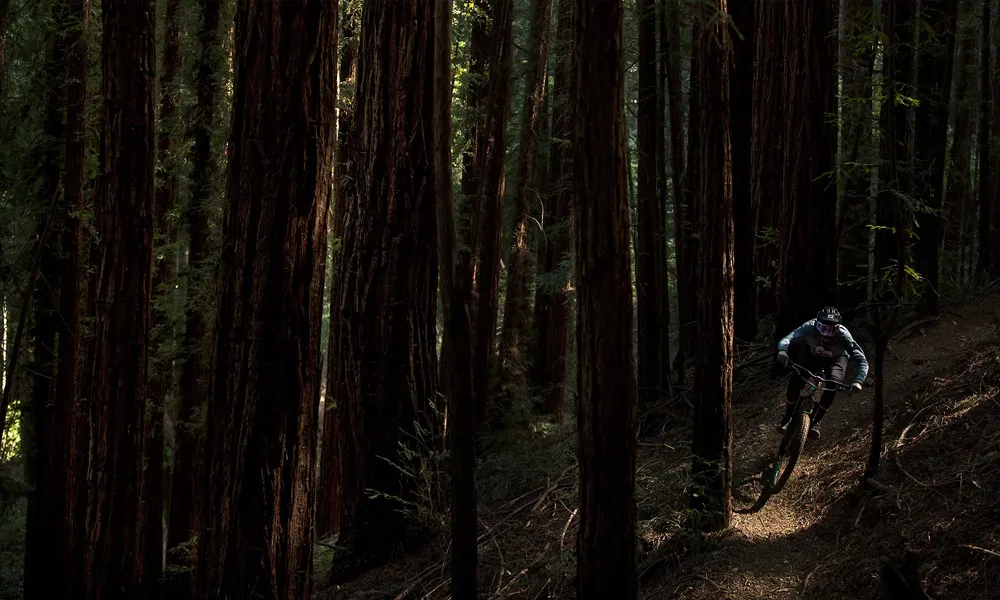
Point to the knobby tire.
(791, 447)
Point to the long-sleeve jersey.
(841, 344)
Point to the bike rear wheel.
(788, 453)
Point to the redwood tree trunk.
(878, 408)
(934, 91)
(118, 364)
(650, 261)
(687, 273)
(383, 338)
(70, 416)
(328, 497)
(513, 336)
(185, 493)
(712, 440)
(48, 518)
(483, 186)
(606, 409)
(161, 361)
(857, 53)
(994, 249)
(984, 166)
(670, 34)
(807, 230)
(663, 191)
(957, 196)
(255, 528)
(741, 126)
(767, 141)
(551, 301)
(894, 177)
(456, 287)
(890, 237)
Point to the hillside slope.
(822, 538)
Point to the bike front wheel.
(791, 447)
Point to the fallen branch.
(876, 485)
(904, 331)
(562, 538)
(899, 465)
(752, 362)
(488, 533)
(805, 583)
(978, 549)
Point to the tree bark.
(262, 415)
(163, 272)
(476, 86)
(958, 195)
(487, 184)
(768, 139)
(663, 190)
(552, 299)
(994, 249)
(382, 371)
(650, 261)
(118, 364)
(328, 498)
(934, 92)
(983, 166)
(185, 493)
(513, 336)
(71, 419)
(670, 35)
(687, 273)
(878, 408)
(807, 231)
(890, 235)
(893, 174)
(48, 520)
(741, 127)
(712, 440)
(606, 546)
(854, 220)
(456, 286)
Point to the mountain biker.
(820, 344)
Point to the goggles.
(826, 329)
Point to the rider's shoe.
(814, 431)
(783, 424)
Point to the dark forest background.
(292, 292)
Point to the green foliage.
(768, 236)
(521, 458)
(11, 435)
(424, 465)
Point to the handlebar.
(835, 386)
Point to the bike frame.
(793, 440)
(814, 387)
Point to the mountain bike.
(776, 476)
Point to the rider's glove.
(783, 358)
(855, 387)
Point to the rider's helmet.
(827, 321)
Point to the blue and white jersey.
(841, 344)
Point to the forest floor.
(824, 537)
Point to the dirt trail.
(784, 550)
